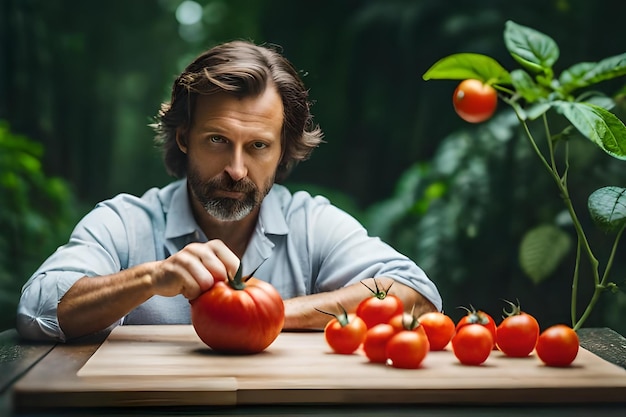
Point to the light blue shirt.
(303, 245)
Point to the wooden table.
(166, 369)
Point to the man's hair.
(243, 69)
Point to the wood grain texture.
(169, 365)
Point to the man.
(237, 123)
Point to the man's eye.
(217, 139)
(259, 145)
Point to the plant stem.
(561, 183)
(602, 285)
(575, 284)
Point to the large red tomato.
(242, 315)
(474, 101)
(380, 307)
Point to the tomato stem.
(516, 309)
(238, 282)
(342, 317)
(378, 293)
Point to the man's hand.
(194, 269)
(94, 303)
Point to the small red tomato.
(438, 327)
(474, 101)
(478, 317)
(407, 349)
(375, 343)
(472, 344)
(345, 332)
(558, 345)
(406, 321)
(379, 307)
(517, 334)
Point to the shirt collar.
(180, 220)
(271, 217)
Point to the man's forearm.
(94, 303)
(300, 312)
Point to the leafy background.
(81, 80)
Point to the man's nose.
(236, 167)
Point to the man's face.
(233, 148)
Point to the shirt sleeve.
(96, 247)
(346, 254)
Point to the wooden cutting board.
(169, 365)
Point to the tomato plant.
(345, 332)
(564, 107)
(439, 329)
(472, 344)
(558, 345)
(407, 349)
(474, 101)
(375, 343)
(240, 315)
(517, 334)
(478, 317)
(379, 307)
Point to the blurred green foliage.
(83, 80)
(36, 214)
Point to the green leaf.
(607, 207)
(533, 50)
(607, 103)
(585, 74)
(542, 250)
(526, 86)
(599, 125)
(468, 65)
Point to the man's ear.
(181, 140)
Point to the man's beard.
(225, 208)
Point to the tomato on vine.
(345, 332)
(558, 345)
(474, 101)
(380, 306)
(439, 328)
(517, 334)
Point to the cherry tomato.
(375, 343)
(438, 327)
(474, 101)
(558, 345)
(407, 349)
(379, 307)
(472, 344)
(406, 321)
(517, 334)
(242, 315)
(345, 332)
(478, 317)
